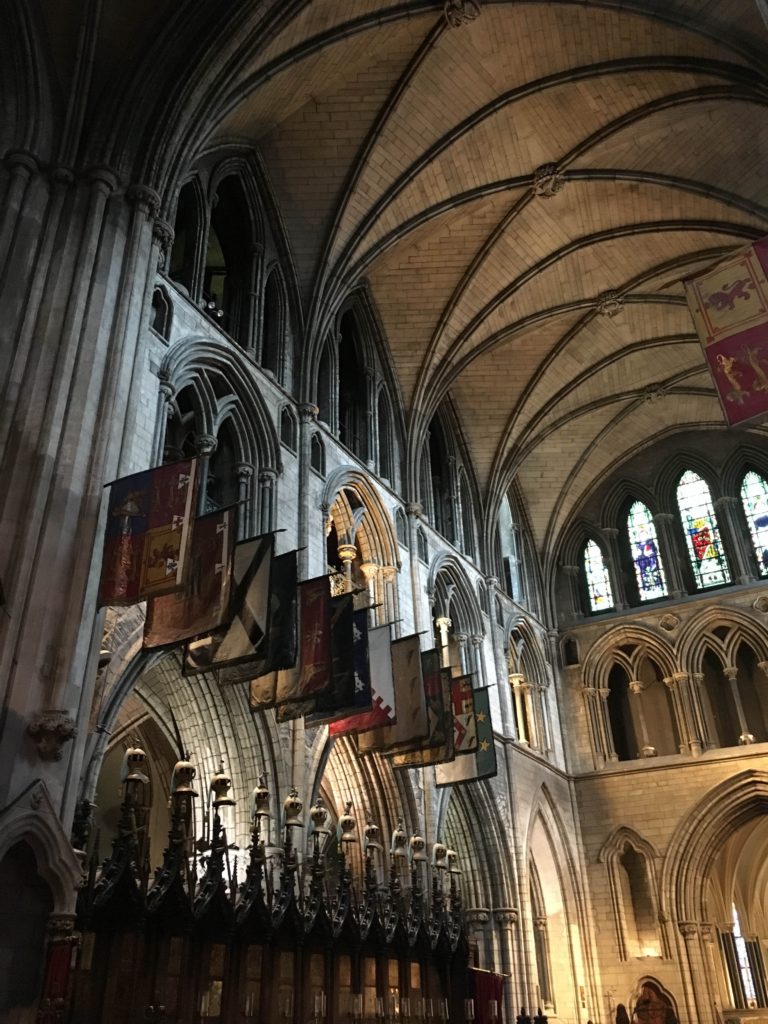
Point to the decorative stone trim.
(609, 304)
(460, 12)
(547, 181)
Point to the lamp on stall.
(345, 833)
(223, 818)
(319, 816)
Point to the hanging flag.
(361, 675)
(464, 720)
(148, 531)
(481, 763)
(244, 639)
(282, 639)
(295, 709)
(203, 605)
(382, 711)
(262, 692)
(729, 306)
(338, 700)
(313, 674)
(410, 705)
(438, 746)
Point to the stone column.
(731, 674)
(736, 541)
(699, 1005)
(205, 445)
(516, 680)
(347, 554)
(389, 588)
(371, 572)
(165, 396)
(688, 713)
(461, 643)
(636, 688)
(413, 511)
(613, 562)
(307, 418)
(444, 625)
(245, 510)
(571, 573)
(73, 328)
(477, 920)
(267, 485)
(665, 526)
(506, 920)
(604, 693)
(477, 656)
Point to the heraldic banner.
(729, 305)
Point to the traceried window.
(598, 581)
(754, 498)
(745, 968)
(644, 546)
(702, 536)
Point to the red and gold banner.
(729, 305)
(203, 605)
(147, 535)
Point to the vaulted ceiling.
(523, 192)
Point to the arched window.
(273, 330)
(161, 313)
(317, 454)
(288, 428)
(352, 389)
(540, 939)
(386, 437)
(644, 546)
(421, 540)
(401, 527)
(325, 385)
(754, 498)
(702, 536)
(227, 282)
(442, 489)
(467, 517)
(221, 481)
(598, 581)
(187, 229)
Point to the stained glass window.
(598, 582)
(644, 545)
(705, 549)
(754, 497)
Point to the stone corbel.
(49, 731)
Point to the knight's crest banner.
(438, 745)
(481, 763)
(148, 532)
(410, 724)
(203, 605)
(244, 638)
(382, 711)
(729, 305)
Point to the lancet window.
(646, 559)
(597, 578)
(702, 534)
(754, 499)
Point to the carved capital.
(206, 444)
(761, 603)
(476, 639)
(22, 163)
(144, 198)
(50, 730)
(540, 924)
(60, 929)
(492, 582)
(267, 475)
(506, 917)
(244, 471)
(414, 509)
(689, 930)
(388, 573)
(477, 917)
(164, 235)
(662, 518)
(347, 552)
(370, 570)
(308, 412)
(730, 672)
(104, 178)
(636, 686)
(61, 177)
(725, 502)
